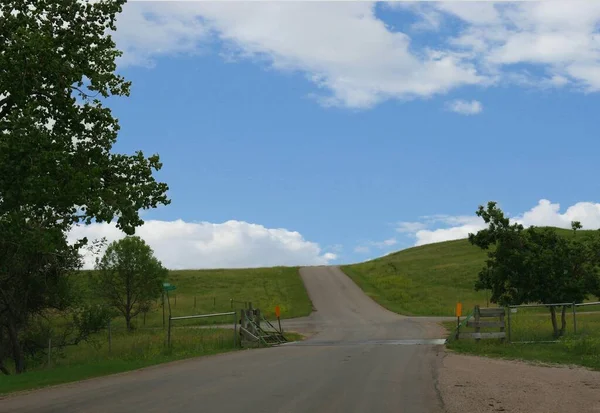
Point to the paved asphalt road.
(355, 361)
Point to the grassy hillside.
(426, 280)
(211, 291)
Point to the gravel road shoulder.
(470, 384)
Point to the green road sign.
(170, 288)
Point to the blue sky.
(312, 133)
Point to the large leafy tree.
(535, 265)
(129, 277)
(57, 168)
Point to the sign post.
(278, 314)
(166, 288)
(458, 314)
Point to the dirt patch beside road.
(470, 384)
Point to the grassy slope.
(426, 280)
(213, 289)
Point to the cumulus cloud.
(562, 38)
(348, 52)
(545, 213)
(357, 60)
(232, 244)
(465, 107)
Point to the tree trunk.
(128, 320)
(17, 351)
(563, 321)
(554, 323)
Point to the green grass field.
(129, 351)
(426, 280)
(212, 291)
(531, 335)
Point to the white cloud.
(362, 249)
(146, 30)
(464, 107)
(358, 60)
(386, 243)
(545, 213)
(348, 52)
(560, 37)
(404, 227)
(232, 244)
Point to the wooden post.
(457, 327)
(235, 329)
(169, 302)
(477, 319)
(163, 306)
(279, 322)
(502, 327)
(109, 338)
(169, 334)
(574, 319)
(509, 327)
(231, 302)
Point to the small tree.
(535, 265)
(129, 277)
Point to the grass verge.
(581, 349)
(130, 351)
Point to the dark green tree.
(129, 277)
(535, 265)
(57, 167)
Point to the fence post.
(574, 319)
(235, 329)
(163, 308)
(109, 338)
(231, 302)
(169, 334)
(477, 318)
(509, 328)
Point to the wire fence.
(533, 322)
